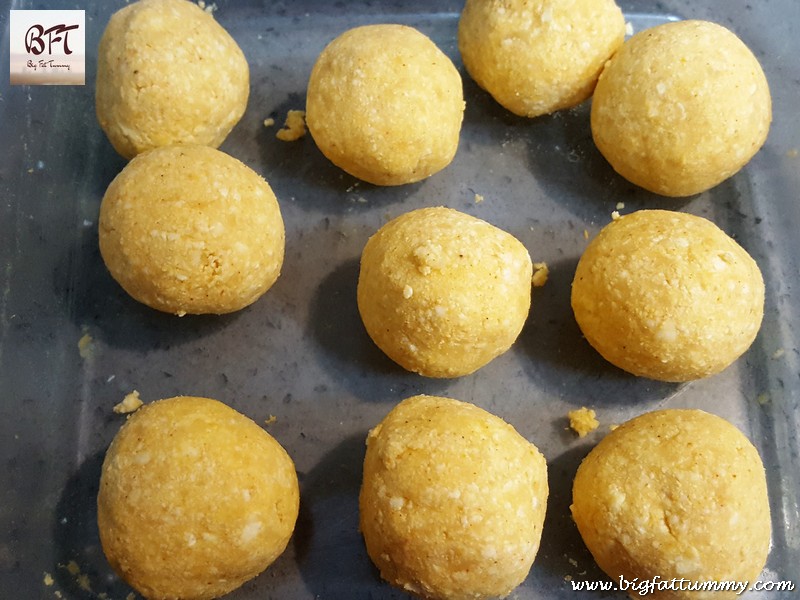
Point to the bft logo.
(35, 38)
(47, 47)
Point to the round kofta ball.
(674, 494)
(667, 295)
(443, 293)
(536, 57)
(168, 73)
(681, 107)
(189, 229)
(385, 104)
(195, 499)
(452, 501)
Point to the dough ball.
(189, 229)
(443, 293)
(385, 104)
(675, 494)
(168, 73)
(667, 295)
(195, 499)
(453, 500)
(538, 57)
(681, 107)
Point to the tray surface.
(301, 354)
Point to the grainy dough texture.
(667, 295)
(168, 73)
(443, 293)
(538, 57)
(681, 107)
(385, 104)
(189, 229)
(453, 500)
(195, 499)
(675, 494)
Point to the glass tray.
(72, 343)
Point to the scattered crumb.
(130, 596)
(540, 274)
(763, 398)
(628, 28)
(613, 426)
(586, 234)
(209, 8)
(620, 205)
(778, 353)
(567, 577)
(80, 578)
(582, 421)
(792, 153)
(83, 582)
(295, 126)
(272, 419)
(57, 594)
(129, 404)
(573, 562)
(269, 122)
(615, 215)
(85, 347)
(478, 198)
(72, 568)
(48, 579)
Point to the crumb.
(209, 8)
(72, 568)
(573, 562)
(629, 28)
(478, 198)
(582, 421)
(85, 348)
(269, 122)
(778, 353)
(57, 594)
(540, 274)
(272, 419)
(129, 404)
(586, 234)
(620, 205)
(792, 153)
(48, 579)
(567, 577)
(130, 596)
(295, 126)
(615, 215)
(613, 426)
(763, 398)
(83, 582)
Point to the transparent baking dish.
(72, 343)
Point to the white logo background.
(43, 53)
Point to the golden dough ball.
(168, 73)
(195, 499)
(453, 500)
(538, 57)
(443, 293)
(385, 104)
(681, 107)
(674, 494)
(189, 229)
(667, 295)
